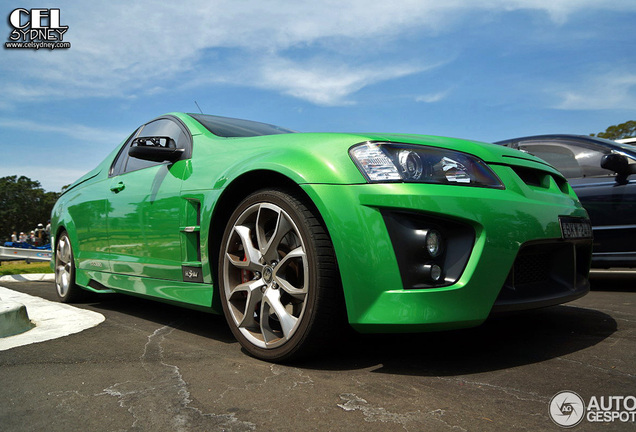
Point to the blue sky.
(484, 70)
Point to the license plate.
(573, 228)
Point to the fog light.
(434, 272)
(434, 243)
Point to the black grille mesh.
(545, 272)
(531, 268)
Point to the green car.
(294, 235)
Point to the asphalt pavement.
(155, 367)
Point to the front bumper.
(502, 221)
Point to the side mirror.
(620, 165)
(156, 149)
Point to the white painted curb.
(34, 277)
(52, 320)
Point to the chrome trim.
(608, 227)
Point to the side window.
(573, 160)
(120, 161)
(165, 127)
(162, 127)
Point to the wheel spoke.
(64, 250)
(252, 260)
(252, 290)
(67, 250)
(61, 279)
(298, 292)
(271, 304)
(269, 248)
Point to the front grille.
(546, 273)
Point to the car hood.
(490, 153)
(321, 144)
(289, 154)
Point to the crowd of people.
(40, 236)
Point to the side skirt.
(187, 294)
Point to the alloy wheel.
(63, 266)
(266, 275)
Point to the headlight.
(386, 162)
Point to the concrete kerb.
(14, 318)
(52, 320)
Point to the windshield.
(233, 128)
(630, 147)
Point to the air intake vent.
(531, 177)
(540, 179)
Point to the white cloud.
(560, 10)
(55, 169)
(121, 48)
(614, 90)
(78, 132)
(323, 81)
(433, 97)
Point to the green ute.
(293, 235)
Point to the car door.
(145, 207)
(611, 206)
(87, 206)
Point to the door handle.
(118, 187)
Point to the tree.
(23, 205)
(623, 130)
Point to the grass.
(21, 267)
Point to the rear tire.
(67, 290)
(279, 282)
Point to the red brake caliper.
(245, 274)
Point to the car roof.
(554, 137)
(616, 146)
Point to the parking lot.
(156, 367)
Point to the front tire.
(279, 283)
(67, 290)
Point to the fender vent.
(191, 242)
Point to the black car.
(599, 171)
